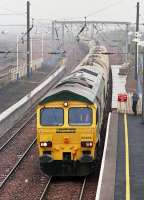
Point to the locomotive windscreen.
(51, 116)
(80, 116)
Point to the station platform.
(129, 181)
(122, 171)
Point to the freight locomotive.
(69, 119)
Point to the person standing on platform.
(135, 99)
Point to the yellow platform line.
(127, 159)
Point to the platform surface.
(123, 171)
(106, 183)
(129, 182)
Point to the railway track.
(27, 182)
(78, 189)
(15, 148)
(5, 140)
(45, 189)
(22, 179)
(67, 189)
(6, 177)
(82, 189)
(89, 187)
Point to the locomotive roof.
(80, 85)
(85, 82)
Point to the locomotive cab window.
(80, 116)
(51, 117)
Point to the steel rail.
(46, 188)
(18, 131)
(82, 189)
(17, 164)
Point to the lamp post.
(42, 43)
(31, 57)
(17, 71)
(141, 43)
(137, 42)
(143, 91)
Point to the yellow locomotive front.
(69, 119)
(67, 134)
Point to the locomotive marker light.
(65, 104)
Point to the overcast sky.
(71, 9)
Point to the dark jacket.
(135, 98)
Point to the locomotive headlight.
(88, 144)
(46, 144)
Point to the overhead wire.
(82, 29)
(12, 12)
(95, 12)
(100, 34)
(69, 31)
(56, 31)
(104, 8)
(105, 38)
(58, 39)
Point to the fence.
(22, 70)
(11, 73)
